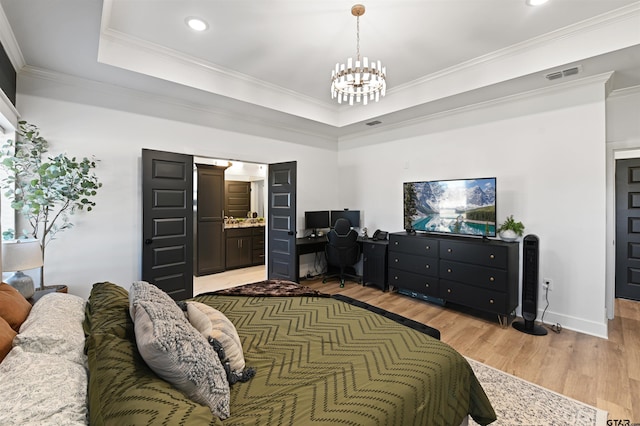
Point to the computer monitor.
(316, 220)
(353, 216)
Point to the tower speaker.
(530, 255)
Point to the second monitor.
(353, 216)
(316, 220)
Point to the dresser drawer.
(409, 280)
(479, 298)
(487, 254)
(412, 263)
(413, 244)
(490, 278)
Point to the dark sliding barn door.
(628, 228)
(282, 260)
(167, 222)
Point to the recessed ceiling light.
(536, 2)
(196, 24)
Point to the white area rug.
(518, 402)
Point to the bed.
(316, 359)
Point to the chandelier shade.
(358, 80)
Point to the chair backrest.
(342, 227)
(342, 247)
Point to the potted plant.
(45, 190)
(510, 230)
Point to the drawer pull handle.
(395, 242)
(448, 290)
(395, 278)
(491, 256)
(491, 301)
(491, 279)
(427, 285)
(449, 250)
(449, 270)
(427, 266)
(396, 260)
(428, 248)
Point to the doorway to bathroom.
(229, 223)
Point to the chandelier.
(359, 80)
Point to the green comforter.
(317, 360)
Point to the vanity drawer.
(238, 232)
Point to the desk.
(373, 271)
(306, 246)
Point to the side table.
(47, 289)
(374, 263)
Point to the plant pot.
(508, 235)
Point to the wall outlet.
(546, 284)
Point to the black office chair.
(342, 251)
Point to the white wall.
(105, 244)
(547, 151)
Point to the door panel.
(167, 222)
(210, 235)
(282, 259)
(628, 228)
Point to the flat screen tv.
(465, 206)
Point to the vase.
(508, 235)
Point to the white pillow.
(54, 326)
(210, 322)
(42, 389)
(175, 350)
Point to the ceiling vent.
(571, 71)
(373, 123)
(564, 73)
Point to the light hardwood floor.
(228, 279)
(599, 372)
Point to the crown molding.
(605, 20)
(124, 51)
(603, 79)
(270, 129)
(9, 42)
(162, 52)
(570, 44)
(627, 91)
(582, 41)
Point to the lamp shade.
(21, 255)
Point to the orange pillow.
(6, 338)
(14, 308)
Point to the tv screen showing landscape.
(466, 206)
